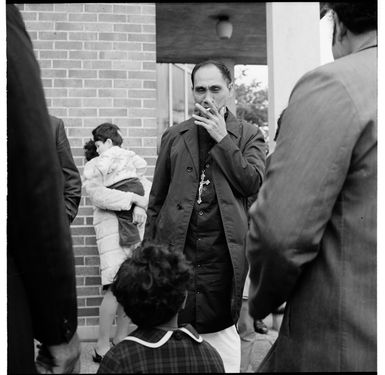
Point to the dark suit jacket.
(72, 180)
(312, 238)
(41, 274)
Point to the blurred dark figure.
(72, 179)
(40, 264)
(313, 229)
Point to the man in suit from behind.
(72, 179)
(312, 239)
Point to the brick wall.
(98, 64)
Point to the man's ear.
(341, 29)
(109, 142)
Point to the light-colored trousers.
(228, 344)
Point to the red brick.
(39, 7)
(94, 301)
(80, 280)
(126, 65)
(141, 37)
(55, 93)
(67, 83)
(77, 240)
(82, 36)
(127, 9)
(69, 26)
(148, 29)
(149, 103)
(135, 112)
(53, 73)
(87, 250)
(92, 261)
(114, 74)
(100, 27)
(82, 73)
(66, 102)
(86, 17)
(127, 46)
(148, 9)
(143, 56)
(149, 85)
(45, 64)
(133, 142)
(128, 28)
(29, 16)
(90, 240)
(87, 271)
(97, 102)
(98, 83)
(149, 47)
(149, 142)
(116, 18)
(83, 112)
(92, 321)
(82, 92)
(141, 19)
(59, 112)
(113, 36)
(142, 75)
(53, 16)
(98, 8)
(69, 46)
(53, 35)
(141, 94)
(97, 64)
(98, 45)
(142, 132)
(81, 302)
(77, 220)
(129, 103)
(42, 45)
(56, 55)
(79, 261)
(67, 64)
(84, 55)
(131, 84)
(111, 55)
(73, 8)
(93, 280)
(113, 112)
(94, 311)
(81, 321)
(142, 151)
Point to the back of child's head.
(151, 285)
(90, 150)
(108, 131)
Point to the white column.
(293, 48)
(230, 65)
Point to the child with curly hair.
(152, 288)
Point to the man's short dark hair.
(358, 17)
(151, 284)
(90, 150)
(108, 131)
(220, 65)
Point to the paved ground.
(255, 347)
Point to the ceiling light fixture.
(224, 27)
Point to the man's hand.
(139, 215)
(214, 123)
(59, 359)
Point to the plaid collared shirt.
(158, 351)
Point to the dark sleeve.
(38, 234)
(303, 181)
(160, 185)
(72, 180)
(243, 167)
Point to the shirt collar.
(155, 337)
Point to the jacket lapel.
(189, 133)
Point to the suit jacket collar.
(370, 42)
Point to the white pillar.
(231, 102)
(293, 48)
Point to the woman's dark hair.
(108, 131)
(222, 68)
(90, 150)
(358, 17)
(151, 284)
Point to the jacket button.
(207, 165)
(200, 213)
(189, 169)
